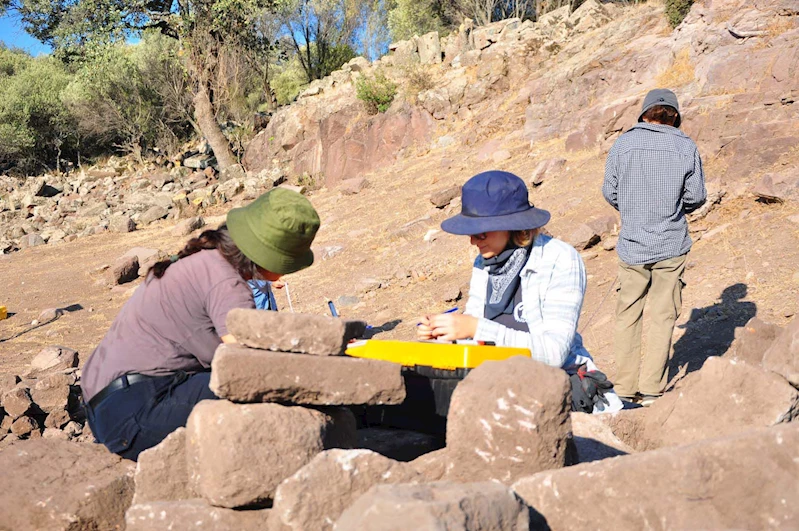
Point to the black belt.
(124, 381)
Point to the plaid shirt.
(553, 287)
(653, 177)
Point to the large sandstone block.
(316, 495)
(594, 440)
(52, 392)
(187, 515)
(53, 358)
(782, 356)
(507, 420)
(746, 481)
(242, 374)
(161, 473)
(237, 454)
(752, 341)
(722, 398)
(17, 402)
(442, 505)
(49, 484)
(293, 332)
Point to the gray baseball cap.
(661, 97)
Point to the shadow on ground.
(711, 330)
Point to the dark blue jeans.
(140, 416)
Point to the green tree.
(322, 33)
(34, 123)
(676, 10)
(203, 28)
(414, 17)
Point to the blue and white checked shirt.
(653, 177)
(553, 287)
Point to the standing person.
(653, 177)
(527, 288)
(151, 368)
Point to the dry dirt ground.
(744, 265)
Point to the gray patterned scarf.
(504, 280)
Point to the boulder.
(237, 455)
(188, 515)
(722, 398)
(236, 171)
(187, 226)
(782, 356)
(121, 224)
(738, 482)
(353, 186)
(441, 505)
(442, 198)
(604, 225)
(507, 420)
(583, 237)
(31, 240)
(752, 341)
(594, 440)
(17, 402)
(55, 485)
(316, 495)
(24, 426)
(7, 383)
(57, 419)
(242, 374)
(161, 473)
(52, 392)
(143, 254)
(53, 358)
(293, 332)
(152, 214)
(125, 269)
(429, 46)
(544, 168)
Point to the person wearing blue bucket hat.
(527, 288)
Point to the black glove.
(581, 401)
(595, 384)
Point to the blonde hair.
(523, 238)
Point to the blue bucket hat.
(495, 200)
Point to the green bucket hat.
(276, 230)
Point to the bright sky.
(13, 36)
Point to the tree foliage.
(676, 10)
(414, 17)
(377, 92)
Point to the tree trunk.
(206, 119)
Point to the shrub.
(376, 92)
(676, 11)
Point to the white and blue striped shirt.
(553, 287)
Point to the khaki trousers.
(661, 284)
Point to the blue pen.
(332, 308)
(451, 310)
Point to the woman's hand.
(423, 330)
(447, 326)
(278, 284)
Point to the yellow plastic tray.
(464, 355)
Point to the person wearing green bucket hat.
(152, 367)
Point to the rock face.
(50, 484)
(248, 375)
(443, 505)
(507, 420)
(237, 455)
(161, 473)
(722, 398)
(316, 495)
(188, 515)
(293, 332)
(707, 485)
(783, 355)
(594, 440)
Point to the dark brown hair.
(661, 114)
(220, 240)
